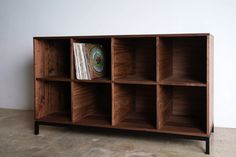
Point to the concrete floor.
(17, 140)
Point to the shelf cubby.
(53, 102)
(182, 60)
(134, 59)
(106, 43)
(53, 58)
(182, 109)
(134, 106)
(91, 103)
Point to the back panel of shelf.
(134, 106)
(91, 103)
(134, 59)
(53, 100)
(182, 60)
(182, 109)
(52, 58)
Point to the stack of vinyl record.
(89, 61)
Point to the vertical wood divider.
(157, 86)
(71, 77)
(112, 83)
(34, 64)
(72, 59)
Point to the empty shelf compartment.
(53, 102)
(134, 106)
(182, 109)
(53, 58)
(182, 60)
(91, 103)
(134, 59)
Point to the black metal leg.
(205, 139)
(36, 128)
(208, 145)
(213, 128)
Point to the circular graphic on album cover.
(98, 59)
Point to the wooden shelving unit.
(153, 83)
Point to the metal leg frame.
(206, 139)
(36, 128)
(213, 128)
(208, 145)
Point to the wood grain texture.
(134, 57)
(38, 58)
(72, 60)
(182, 81)
(90, 100)
(134, 104)
(164, 103)
(57, 117)
(123, 103)
(52, 97)
(155, 83)
(183, 103)
(54, 78)
(164, 59)
(96, 80)
(188, 58)
(189, 101)
(135, 80)
(52, 58)
(210, 83)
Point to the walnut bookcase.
(154, 83)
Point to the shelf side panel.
(72, 60)
(123, 58)
(164, 104)
(83, 101)
(51, 97)
(189, 56)
(38, 58)
(123, 103)
(210, 83)
(164, 59)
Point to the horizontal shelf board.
(54, 78)
(103, 122)
(122, 127)
(179, 81)
(135, 80)
(98, 80)
(137, 125)
(182, 130)
(57, 117)
(182, 124)
(96, 119)
(137, 120)
(144, 82)
(125, 35)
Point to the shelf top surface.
(124, 36)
